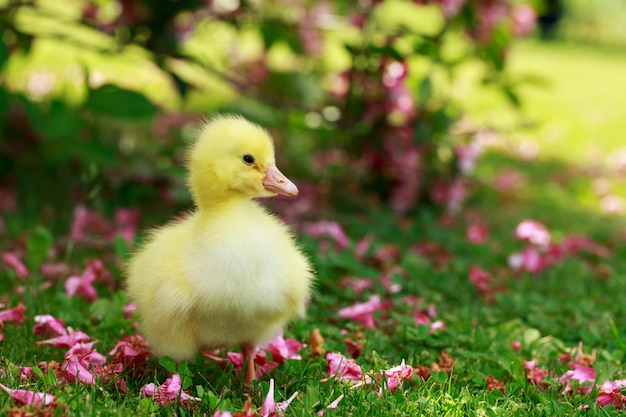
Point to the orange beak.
(276, 182)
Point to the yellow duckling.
(230, 273)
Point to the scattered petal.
(325, 228)
(534, 232)
(168, 392)
(12, 260)
(282, 349)
(67, 340)
(343, 368)
(31, 398)
(49, 326)
(15, 314)
(364, 312)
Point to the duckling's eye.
(248, 159)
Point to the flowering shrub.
(362, 90)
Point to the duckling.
(230, 273)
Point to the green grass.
(581, 299)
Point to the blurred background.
(373, 104)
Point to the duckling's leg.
(249, 375)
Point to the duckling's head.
(234, 158)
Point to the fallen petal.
(26, 397)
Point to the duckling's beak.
(276, 182)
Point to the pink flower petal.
(325, 228)
(66, 341)
(582, 374)
(82, 285)
(49, 326)
(282, 349)
(132, 351)
(11, 260)
(332, 405)
(477, 232)
(480, 278)
(271, 408)
(168, 392)
(534, 232)
(128, 309)
(343, 368)
(15, 314)
(77, 370)
(364, 312)
(26, 397)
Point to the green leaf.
(440, 377)
(120, 246)
(274, 31)
(38, 372)
(425, 91)
(169, 364)
(4, 53)
(37, 246)
(62, 122)
(111, 100)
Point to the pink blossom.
(49, 326)
(127, 221)
(364, 312)
(610, 393)
(436, 326)
(88, 224)
(534, 232)
(26, 373)
(220, 413)
(76, 369)
(26, 397)
(529, 259)
(392, 287)
(342, 368)
(87, 221)
(468, 156)
(15, 314)
(13, 261)
(582, 374)
(535, 374)
(82, 285)
(55, 270)
(272, 409)
(132, 351)
(362, 246)
(425, 317)
(489, 15)
(128, 309)
(67, 340)
(524, 19)
(507, 180)
(481, 279)
(168, 392)
(332, 405)
(262, 364)
(477, 232)
(357, 284)
(516, 345)
(325, 228)
(450, 8)
(396, 375)
(86, 353)
(283, 349)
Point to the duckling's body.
(230, 273)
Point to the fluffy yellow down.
(230, 273)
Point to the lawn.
(455, 316)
